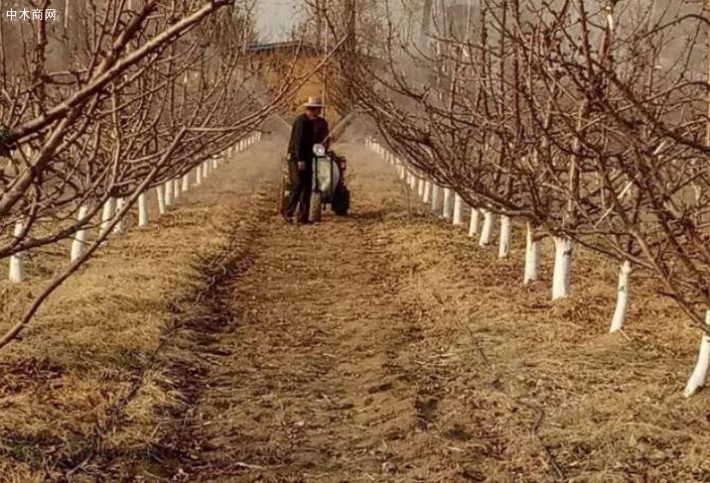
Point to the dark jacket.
(300, 146)
(320, 131)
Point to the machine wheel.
(341, 200)
(315, 208)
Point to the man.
(300, 162)
(320, 132)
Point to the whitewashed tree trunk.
(412, 182)
(700, 374)
(563, 268)
(427, 192)
(205, 169)
(160, 192)
(504, 239)
(176, 188)
(420, 187)
(448, 203)
(622, 297)
(198, 175)
(186, 182)
(142, 210)
(107, 213)
(17, 266)
(435, 198)
(532, 257)
(473, 224)
(77, 246)
(458, 210)
(120, 226)
(168, 190)
(487, 230)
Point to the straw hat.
(314, 101)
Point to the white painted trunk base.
(448, 203)
(622, 297)
(186, 182)
(458, 210)
(563, 268)
(160, 192)
(142, 210)
(427, 192)
(17, 266)
(198, 175)
(504, 239)
(77, 246)
(473, 224)
(107, 213)
(120, 226)
(435, 197)
(532, 258)
(700, 374)
(168, 190)
(487, 230)
(420, 187)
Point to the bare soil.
(385, 346)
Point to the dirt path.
(309, 387)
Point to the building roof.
(276, 46)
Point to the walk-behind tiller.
(328, 184)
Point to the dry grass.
(100, 382)
(547, 393)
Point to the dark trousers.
(301, 187)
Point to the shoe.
(287, 218)
(305, 222)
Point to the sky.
(275, 18)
